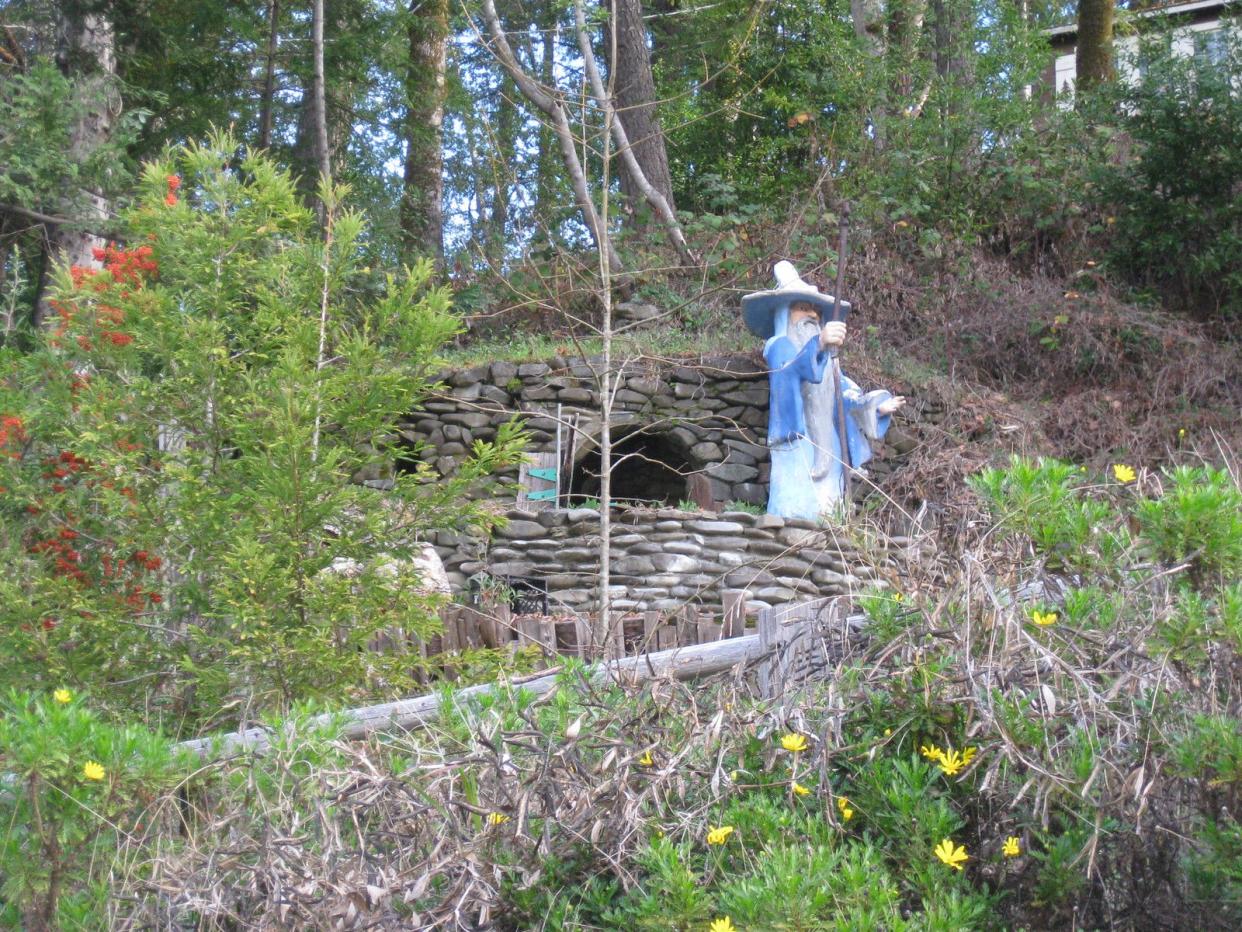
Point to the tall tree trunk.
(269, 75)
(615, 127)
(635, 94)
(502, 169)
(868, 17)
(422, 212)
(86, 52)
(546, 166)
(1093, 57)
(952, 35)
(319, 105)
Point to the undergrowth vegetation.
(1039, 730)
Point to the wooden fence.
(569, 635)
(792, 642)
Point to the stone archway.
(649, 467)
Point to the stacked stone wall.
(714, 410)
(664, 558)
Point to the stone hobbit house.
(688, 444)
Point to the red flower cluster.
(174, 182)
(12, 430)
(126, 266)
(122, 577)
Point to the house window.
(1211, 48)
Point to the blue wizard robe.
(798, 488)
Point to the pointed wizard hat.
(759, 308)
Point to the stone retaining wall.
(664, 558)
(712, 410)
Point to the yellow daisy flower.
(1011, 849)
(951, 762)
(954, 856)
(724, 924)
(794, 742)
(92, 771)
(497, 818)
(718, 836)
(1123, 473)
(1043, 619)
(63, 696)
(799, 789)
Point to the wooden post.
(784, 637)
(582, 631)
(448, 618)
(547, 636)
(734, 618)
(699, 491)
(651, 627)
(687, 628)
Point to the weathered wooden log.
(682, 663)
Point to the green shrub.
(1198, 520)
(1046, 500)
(81, 788)
(1177, 196)
(177, 511)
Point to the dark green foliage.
(1177, 193)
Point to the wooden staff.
(846, 466)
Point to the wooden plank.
(547, 636)
(527, 630)
(484, 625)
(582, 632)
(734, 617)
(683, 663)
(699, 491)
(651, 622)
(536, 490)
(502, 625)
(687, 627)
(450, 642)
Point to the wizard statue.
(813, 410)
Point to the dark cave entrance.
(651, 469)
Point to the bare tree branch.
(550, 102)
(653, 197)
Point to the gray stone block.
(715, 527)
(550, 517)
(633, 566)
(496, 396)
(503, 372)
(512, 568)
(674, 563)
(521, 530)
(707, 452)
(463, 378)
(776, 595)
(469, 418)
(748, 578)
(686, 547)
(643, 385)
